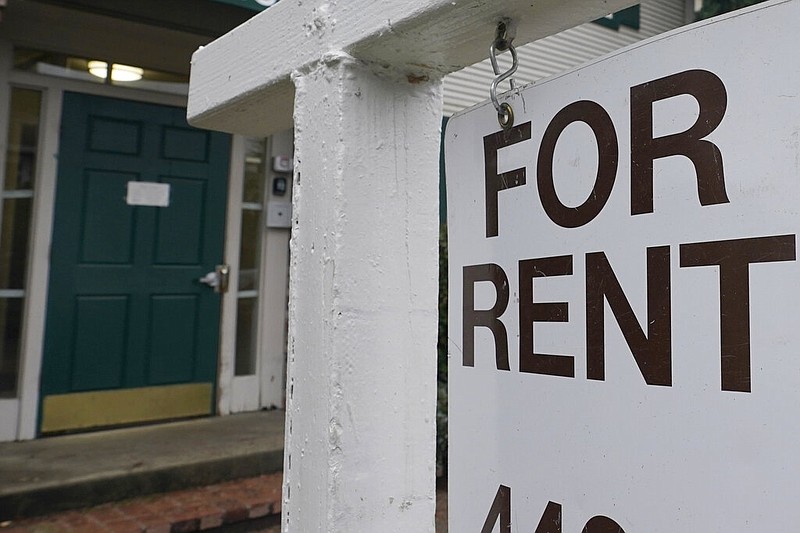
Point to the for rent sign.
(624, 288)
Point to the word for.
(704, 86)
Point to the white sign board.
(148, 193)
(624, 288)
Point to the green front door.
(131, 334)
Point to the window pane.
(16, 208)
(23, 139)
(246, 335)
(254, 171)
(250, 257)
(14, 242)
(10, 328)
(249, 251)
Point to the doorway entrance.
(131, 333)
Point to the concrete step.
(77, 471)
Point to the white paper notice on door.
(148, 193)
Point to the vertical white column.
(39, 265)
(226, 387)
(275, 292)
(361, 391)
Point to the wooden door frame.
(9, 408)
(265, 388)
(274, 297)
(233, 233)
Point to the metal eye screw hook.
(502, 42)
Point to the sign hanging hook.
(502, 42)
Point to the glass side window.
(16, 209)
(250, 257)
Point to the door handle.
(217, 279)
(223, 274)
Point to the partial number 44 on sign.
(624, 333)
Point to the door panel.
(125, 311)
(112, 241)
(179, 229)
(172, 339)
(100, 332)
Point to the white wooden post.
(365, 248)
(363, 82)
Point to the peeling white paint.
(241, 82)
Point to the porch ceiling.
(147, 33)
(199, 17)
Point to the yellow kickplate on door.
(81, 410)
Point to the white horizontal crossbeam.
(241, 83)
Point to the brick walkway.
(183, 511)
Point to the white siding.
(559, 52)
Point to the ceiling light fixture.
(118, 72)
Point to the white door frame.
(264, 388)
(9, 408)
(274, 298)
(233, 230)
